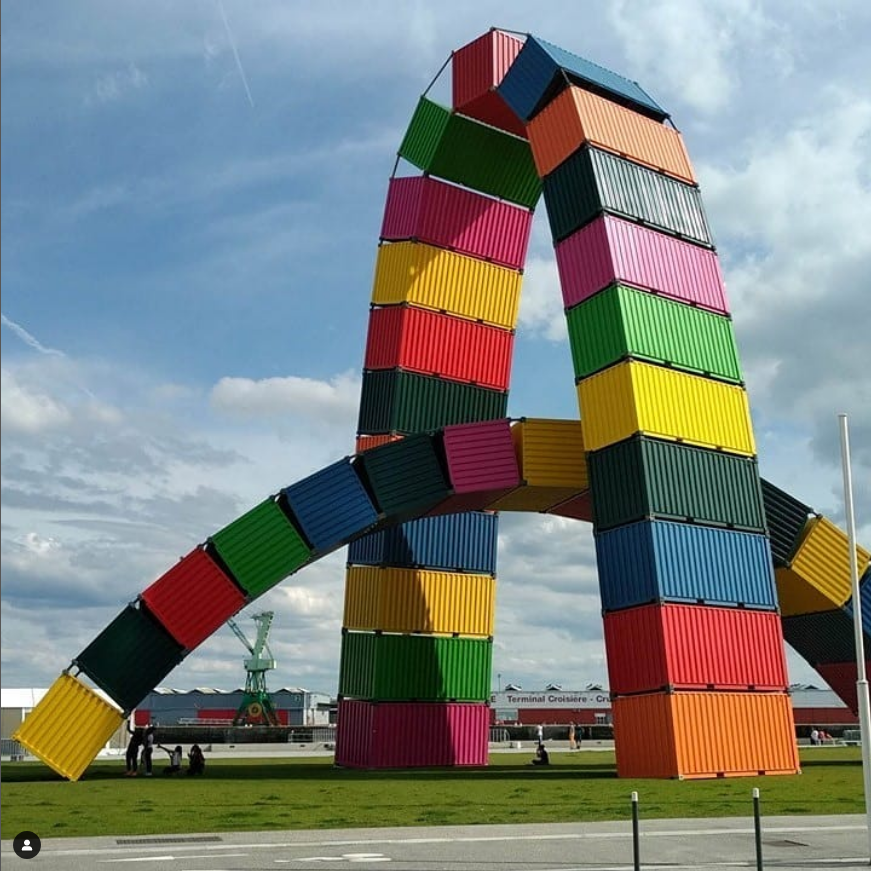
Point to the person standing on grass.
(133, 746)
(148, 750)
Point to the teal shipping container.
(623, 322)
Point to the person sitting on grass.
(541, 756)
(174, 766)
(196, 760)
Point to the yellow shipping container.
(416, 600)
(69, 727)
(552, 462)
(441, 280)
(634, 397)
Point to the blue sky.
(191, 200)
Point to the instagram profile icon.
(26, 845)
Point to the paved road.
(789, 844)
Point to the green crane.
(256, 707)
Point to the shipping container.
(576, 117)
(823, 636)
(634, 397)
(577, 508)
(433, 278)
(130, 657)
(455, 542)
(417, 600)
(592, 181)
(380, 735)
(406, 477)
(381, 667)
(644, 477)
(610, 250)
(622, 322)
(864, 601)
(395, 401)
(795, 595)
(432, 343)
(542, 68)
(69, 726)
(477, 69)
(704, 735)
(657, 560)
(658, 647)
(786, 518)
(367, 442)
(841, 677)
(261, 548)
(428, 210)
(331, 506)
(552, 461)
(461, 150)
(193, 599)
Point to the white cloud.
(29, 412)
(111, 87)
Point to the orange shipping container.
(577, 116)
(704, 734)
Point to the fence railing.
(13, 750)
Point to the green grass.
(263, 795)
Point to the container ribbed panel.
(787, 518)
(823, 637)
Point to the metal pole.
(861, 678)
(758, 825)
(636, 847)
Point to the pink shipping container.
(433, 343)
(423, 208)
(409, 735)
(841, 677)
(193, 599)
(693, 647)
(482, 465)
(610, 250)
(477, 69)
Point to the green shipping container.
(643, 477)
(405, 402)
(379, 667)
(261, 548)
(623, 322)
(461, 150)
(592, 181)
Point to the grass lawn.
(309, 793)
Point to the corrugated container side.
(354, 733)
(464, 151)
(455, 542)
(433, 278)
(795, 595)
(415, 600)
(609, 250)
(591, 181)
(864, 601)
(841, 677)
(693, 647)
(423, 208)
(193, 599)
(261, 548)
(331, 506)
(659, 560)
(406, 477)
(621, 322)
(130, 657)
(694, 735)
(433, 343)
(367, 442)
(823, 560)
(414, 667)
(644, 477)
(577, 508)
(480, 65)
(395, 401)
(493, 110)
(823, 637)
(634, 397)
(786, 518)
(69, 726)
(576, 117)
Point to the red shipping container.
(432, 343)
(610, 250)
(216, 714)
(423, 208)
(577, 508)
(477, 70)
(693, 647)
(411, 735)
(841, 677)
(826, 716)
(193, 599)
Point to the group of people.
(140, 753)
(819, 736)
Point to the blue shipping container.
(658, 560)
(864, 602)
(332, 506)
(453, 542)
(540, 63)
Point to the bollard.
(758, 826)
(636, 851)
